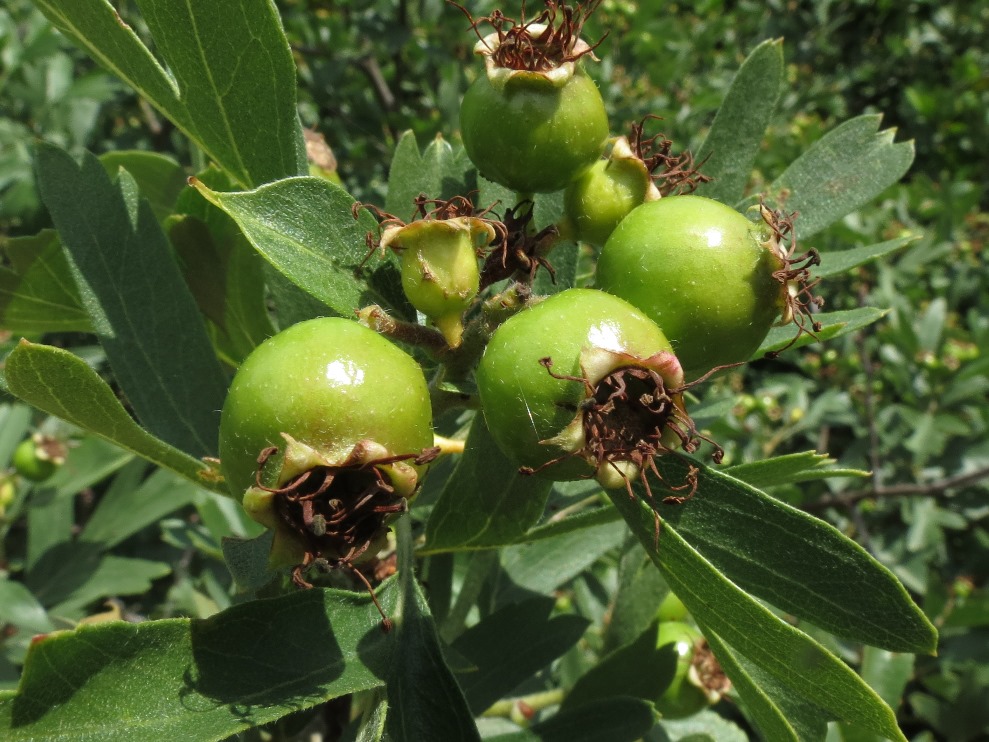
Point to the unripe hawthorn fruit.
(583, 384)
(534, 120)
(698, 681)
(38, 457)
(636, 170)
(715, 281)
(322, 435)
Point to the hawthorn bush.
(140, 600)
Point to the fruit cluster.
(327, 429)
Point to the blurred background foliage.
(904, 399)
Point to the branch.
(937, 488)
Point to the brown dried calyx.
(521, 251)
(334, 515)
(799, 301)
(631, 415)
(671, 173)
(543, 43)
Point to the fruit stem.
(448, 445)
(380, 321)
(523, 708)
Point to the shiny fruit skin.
(523, 404)
(681, 698)
(328, 383)
(700, 270)
(530, 135)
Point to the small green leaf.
(786, 653)
(798, 563)
(639, 669)
(74, 579)
(424, 699)
(159, 178)
(233, 93)
(199, 679)
(37, 291)
(440, 172)
(19, 607)
(306, 229)
(612, 720)
(486, 502)
(124, 511)
(790, 469)
(247, 560)
(140, 308)
(61, 384)
(844, 170)
(834, 325)
(731, 145)
(511, 645)
(837, 262)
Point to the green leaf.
(233, 93)
(611, 720)
(19, 607)
(61, 384)
(845, 169)
(798, 563)
(37, 291)
(306, 229)
(424, 699)
(732, 143)
(790, 469)
(639, 669)
(486, 502)
(511, 645)
(888, 673)
(199, 679)
(834, 325)
(707, 726)
(837, 262)
(75, 577)
(124, 511)
(786, 653)
(223, 271)
(542, 566)
(138, 303)
(159, 178)
(779, 713)
(440, 172)
(247, 560)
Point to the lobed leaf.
(731, 145)
(159, 178)
(440, 172)
(61, 384)
(233, 93)
(140, 308)
(845, 169)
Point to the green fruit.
(683, 697)
(701, 271)
(34, 461)
(440, 275)
(329, 383)
(349, 414)
(671, 609)
(598, 199)
(595, 340)
(533, 133)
